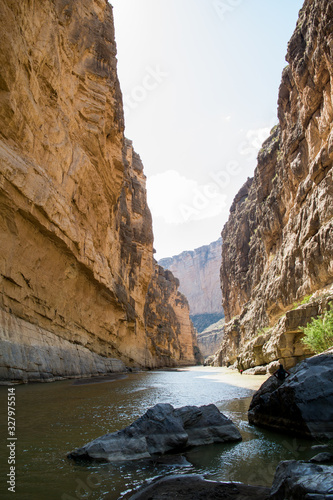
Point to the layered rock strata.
(198, 274)
(284, 340)
(278, 241)
(76, 245)
(210, 339)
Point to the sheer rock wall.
(76, 242)
(278, 241)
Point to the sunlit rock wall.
(76, 242)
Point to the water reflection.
(53, 419)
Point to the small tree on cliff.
(318, 334)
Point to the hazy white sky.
(200, 82)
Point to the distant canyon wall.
(198, 274)
(277, 254)
(76, 244)
(168, 324)
(210, 339)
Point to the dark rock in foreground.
(297, 480)
(302, 404)
(194, 487)
(293, 480)
(162, 429)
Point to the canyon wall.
(76, 243)
(210, 339)
(168, 323)
(277, 265)
(198, 273)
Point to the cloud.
(178, 199)
(254, 139)
(257, 136)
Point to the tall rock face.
(198, 274)
(76, 244)
(278, 242)
(209, 340)
(168, 323)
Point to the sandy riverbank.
(229, 376)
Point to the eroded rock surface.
(278, 241)
(162, 429)
(302, 404)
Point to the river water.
(53, 419)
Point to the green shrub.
(318, 334)
(305, 300)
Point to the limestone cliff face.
(76, 245)
(168, 324)
(209, 340)
(278, 241)
(198, 274)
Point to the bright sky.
(200, 82)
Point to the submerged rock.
(297, 480)
(302, 404)
(162, 429)
(194, 487)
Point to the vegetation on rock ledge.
(318, 334)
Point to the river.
(54, 418)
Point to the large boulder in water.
(302, 404)
(298, 480)
(162, 429)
